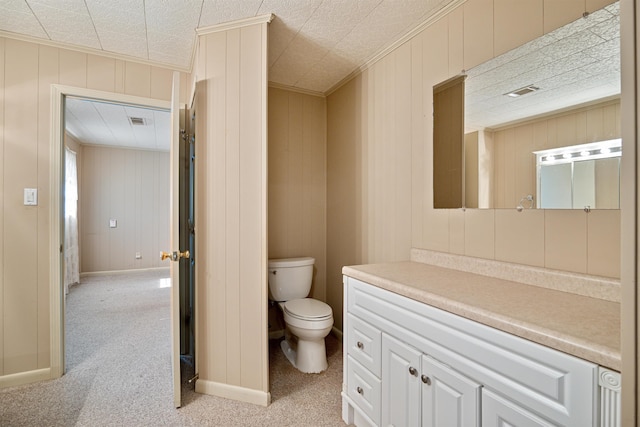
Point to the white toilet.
(308, 321)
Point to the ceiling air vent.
(138, 121)
(522, 91)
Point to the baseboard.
(133, 270)
(337, 333)
(233, 392)
(23, 378)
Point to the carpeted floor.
(119, 370)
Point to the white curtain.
(71, 257)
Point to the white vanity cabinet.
(417, 390)
(409, 364)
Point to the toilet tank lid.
(291, 262)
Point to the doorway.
(60, 94)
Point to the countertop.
(586, 327)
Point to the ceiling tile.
(66, 21)
(219, 11)
(16, 17)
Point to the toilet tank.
(290, 278)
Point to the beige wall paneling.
(515, 23)
(418, 136)
(520, 236)
(479, 235)
(2, 203)
(20, 222)
(559, 13)
(101, 72)
(232, 205)
(456, 231)
(437, 230)
(253, 204)
(477, 32)
(73, 68)
(344, 169)
(565, 240)
(214, 356)
(603, 243)
(161, 84)
(129, 187)
(297, 180)
(456, 41)
(279, 140)
(232, 288)
(119, 76)
(471, 170)
(47, 75)
(137, 79)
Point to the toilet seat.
(308, 309)
(307, 313)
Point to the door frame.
(56, 212)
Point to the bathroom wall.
(297, 180)
(27, 71)
(231, 213)
(129, 186)
(379, 144)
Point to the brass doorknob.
(175, 256)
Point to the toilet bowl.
(308, 321)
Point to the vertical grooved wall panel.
(232, 249)
(124, 185)
(20, 222)
(2, 197)
(48, 75)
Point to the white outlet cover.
(113, 223)
(30, 196)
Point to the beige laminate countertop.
(585, 327)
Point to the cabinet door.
(400, 383)
(448, 398)
(500, 412)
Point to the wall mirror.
(559, 91)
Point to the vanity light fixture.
(522, 91)
(595, 150)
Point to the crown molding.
(92, 51)
(225, 26)
(393, 46)
(296, 89)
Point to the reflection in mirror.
(559, 90)
(585, 176)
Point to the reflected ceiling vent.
(522, 91)
(138, 121)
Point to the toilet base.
(309, 357)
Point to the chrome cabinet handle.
(426, 380)
(360, 345)
(359, 390)
(413, 371)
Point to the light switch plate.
(30, 196)
(113, 223)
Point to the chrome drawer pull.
(359, 390)
(426, 380)
(360, 345)
(413, 371)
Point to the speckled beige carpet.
(119, 370)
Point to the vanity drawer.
(364, 344)
(364, 389)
